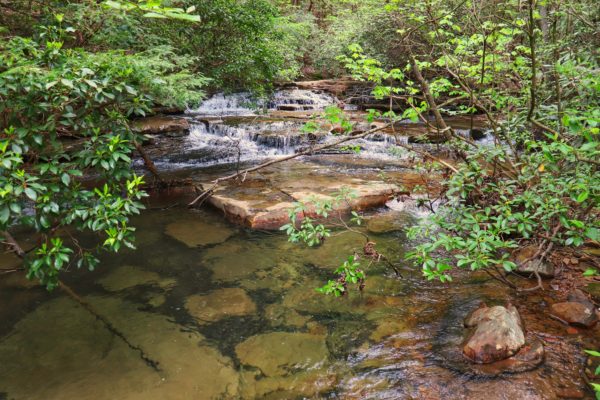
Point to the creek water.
(205, 309)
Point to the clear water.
(204, 309)
(231, 314)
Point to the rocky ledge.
(263, 201)
(162, 125)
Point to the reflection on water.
(232, 314)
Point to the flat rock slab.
(277, 353)
(262, 201)
(128, 276)
(198, 232)
(230, 302)
(161, 125)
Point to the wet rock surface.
(129, 276)
(390, 221)
(575, 313)
(279, 353)
(498, 334)
(221, 303)
(263, 202)
(165, 125)
(198, 232)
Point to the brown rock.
(155, 125)
(575, 313)
(277, 353)
(221, 303)
(528, 357)
(572, 331)
(497, 334)
(570, 393)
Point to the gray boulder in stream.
(497, 334)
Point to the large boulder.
(497, 333)
(578, 310)
(528, 266)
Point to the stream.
(227, 312)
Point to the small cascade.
(243, 104)
(228, 105)
(301, 100)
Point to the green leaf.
(67, 82)
(66, 179)
(31, 193)
(590, 272)
(583, 196)
(4, 214)
(593, 353)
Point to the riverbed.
(205, 308)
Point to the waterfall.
(244, 103)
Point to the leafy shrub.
(47, 183)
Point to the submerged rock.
(525, 267)
(594, 290)
(235, 260)
(497, 335)
(128, 276)
(279, 315)
(89, 362)
(387, 328)
(198, 233)
(389, 222)
(230, 302)
(277, 353)
(306, 384)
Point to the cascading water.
(230, 128)
(244, 103)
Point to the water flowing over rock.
(246, 104)
(221, 303)
(497, 335)
(277, 353)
